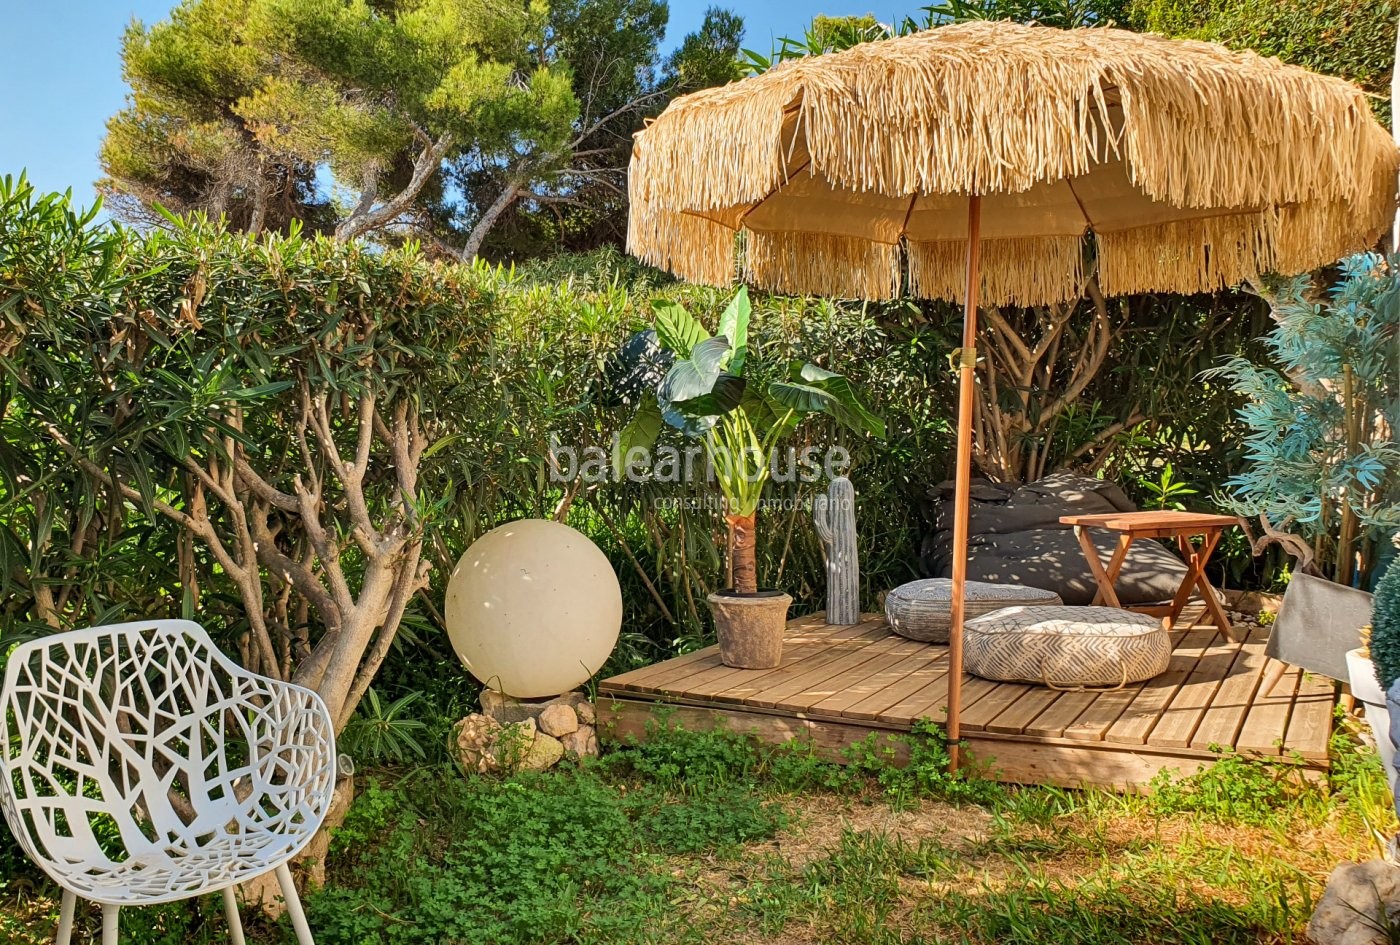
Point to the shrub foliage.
(294, 440)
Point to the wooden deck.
(836, 685)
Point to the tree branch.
(367, 217)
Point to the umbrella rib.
(1069, 182)
(909, 213)
(771, 194)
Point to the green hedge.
(144, 339)
(1354, 39)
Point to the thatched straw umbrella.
(984, 155)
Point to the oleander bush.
(285, 437)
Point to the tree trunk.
(488, 220)
(742, 550)
(257, 217)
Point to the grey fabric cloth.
(1016, 538)
(1318, 622)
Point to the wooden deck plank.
(1017, 715)
(1266, 723)
(761, 688)
(1063, 713)
(718, 678)
(646, 678)
(1140, 716)
(1094, 723)
(1180, 718)
(1310, 725)
(883, 673)
(931, 702)
(910, 689)
(637, 679)
(1225, 717)
(977, 716)
(822, 678)
(836, 685)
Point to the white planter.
(1392, 702)
(1368, 692)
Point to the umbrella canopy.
(849, 174)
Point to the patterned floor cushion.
(920, 610)
(1066, 647)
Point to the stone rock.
(515, 743)
(1349, 912)
(482, 745)
(474, 745)
(544, 752)
(558, 719)
(507, 709)
(587, 715)
(582, 743)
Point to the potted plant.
(739, 410)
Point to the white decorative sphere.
(533, 608)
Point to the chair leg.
(293, 901)
(235, 921)
(109, 924)
(65, 918)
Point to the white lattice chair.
(139, 765)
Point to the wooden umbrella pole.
(962, 495)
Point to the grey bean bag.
(1017, 538)
(922, 610)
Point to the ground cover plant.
(292, 441)
(702, 837)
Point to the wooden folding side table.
(1131, 526)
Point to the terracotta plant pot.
(750, 629)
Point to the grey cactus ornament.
(834, 514)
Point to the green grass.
(702, 838)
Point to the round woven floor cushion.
(1066, 647)
(920, 610)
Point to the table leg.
(1196, 581)
(1120, 554)
(1188, 583)
(1212, 602)
(1091, 555)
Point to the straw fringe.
(1021, 272)
(822, 264)
(1316, 233)
(997, 107)
(1201, 255)
(695, 248)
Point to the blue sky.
(61, 75)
